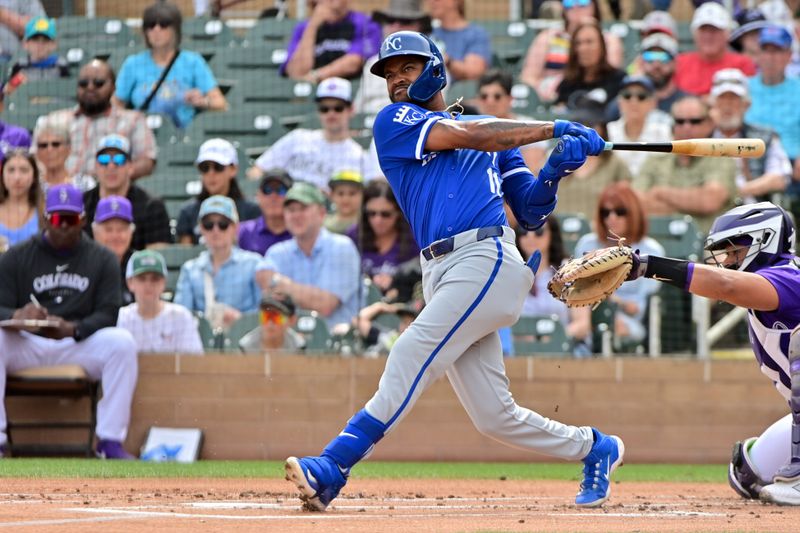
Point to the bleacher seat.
(510, 41)
(573, 227)
(679, 236)
(244, 325)
(37, 98)
(102, 32)
(175, 256)
(174, 185)
(236, 62)
(269, 31)
(540, 335)
(241, 128)
(314, 330)
(164, 129)
(271, 89)
(200, 32)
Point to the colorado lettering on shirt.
(60, 280)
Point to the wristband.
(673, 272)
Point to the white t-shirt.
(174, 330)
(307, 156)
(657, 128)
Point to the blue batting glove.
(568, 155)
(565, 127)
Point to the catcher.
(754, 246)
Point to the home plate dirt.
(375, 505)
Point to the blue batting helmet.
(765, 229)
(411, 43)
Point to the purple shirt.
(373, 263)
(11, 137)
(355, 34)
(255, 236)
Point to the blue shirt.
(470, 40)
(775, 106)
(445, 193)
(333, 266)
(139, 74)
(22, 233)
(234, 283)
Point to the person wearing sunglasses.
(347, 196)
(113, 227)
(20, 197)
(619, 213)
(96, 116)
(220, 282)
(258, 234)
(314, 156)
(66, 278)
(640, 120)
(189, 86)
(657, 62)
(218, 165)
(52, 148)
(114, 168)
(277, 318)
(317, 269)
(157, 326)
(702, 187)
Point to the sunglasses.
(222, 224)
(339, 108)
(631, 95)
(654, 56)
(52, 144)
(107, 159)
(569, 4)
(64, 219)
(693, 121)
(491, 96)
(382, 214)
(280, 190)
(150, 24)
(270, 315)
(83, 83)
(619, 211)
(207, 166)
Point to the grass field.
(89, 468)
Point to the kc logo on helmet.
(394, 44)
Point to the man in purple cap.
(113, 227)
(66, 278)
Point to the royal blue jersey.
(444, 193)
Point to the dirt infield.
(226, 505)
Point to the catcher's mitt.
(590, 279)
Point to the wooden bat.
(699, 147)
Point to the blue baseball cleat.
(605, 457)
(319, 480)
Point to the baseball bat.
(698, 147)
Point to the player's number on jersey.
(494, 181)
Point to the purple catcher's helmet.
(766, 230)
(411, 43)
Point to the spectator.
(711, 25)
(466, 46)
(52, 148)
(12, 136)
(401, 15)
(383, 236)
(157, 326)
(333, 42)
(315, 155)
(347, 195)
(258, 234)
(773, 94)
(577, 321)
(744, 39)
(189, 85)
(318, 270)
(114, 168)
(658, 21)
(113, 227)
(218, 164)
(19, 198)
(95, 117)
(756, 177)
(379, 340)
(220, 282)
(702, 187)
(619, 214)
(547, 57)
(588, 68)
(276, 318)
(81, 297)
(41, 62)
(640, 120)
(658, 64)
(14, 16)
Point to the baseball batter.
(755, 245)
(450, 175)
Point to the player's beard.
(402, 98)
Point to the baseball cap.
(40, 26)
(711, 14)
(113, 207)
(219, 151)
(114, 142)
(662, 41)
(219, 205)
(353, 177)
(643, 81)
(775, 35)
(146, 261)
(748, 20)
(305, 193)
(729, 80)
(335, 88)
(659, 22)
(283, 305)
(64, 197)
(277, 174)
